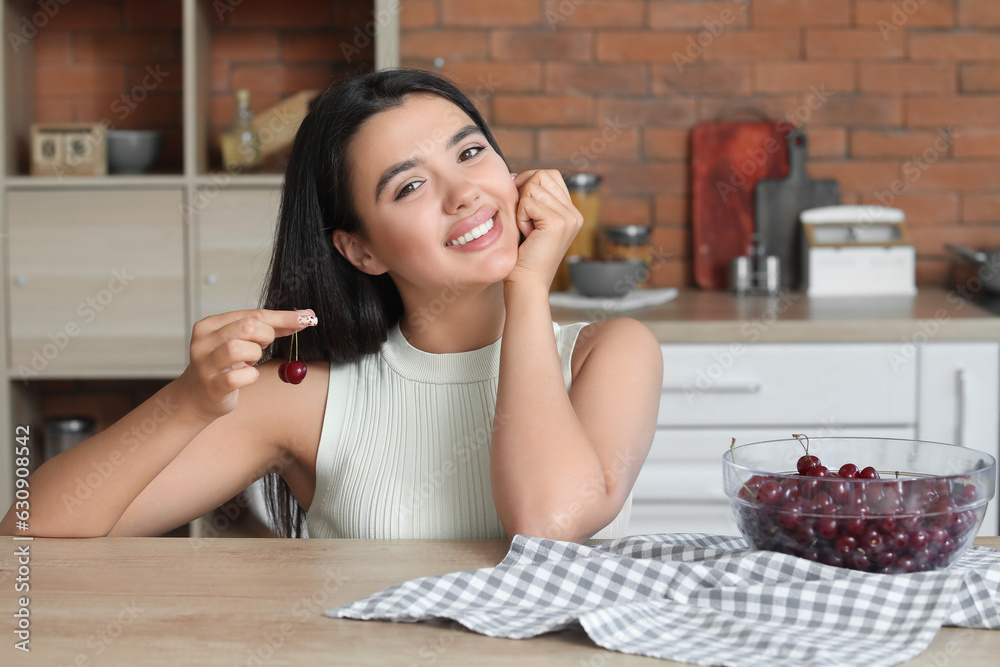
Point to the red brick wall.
(94, 56)
(553, 75)
(275, 49)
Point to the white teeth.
(473, 234)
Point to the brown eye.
(471, 152)
(408, 189)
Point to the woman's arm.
(86, 490)
(563, 464)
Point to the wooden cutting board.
(727, 161)
(778, 203)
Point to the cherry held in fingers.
(293, 372)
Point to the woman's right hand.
(224, 349)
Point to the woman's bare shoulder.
(614, 335)
(293, 413)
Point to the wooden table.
(167, 601)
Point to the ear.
(356, 252)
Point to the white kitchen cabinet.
(960, 401)
(713, 393)
(793, 385)
(96, 283)
(235, 236)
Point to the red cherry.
(970, 494)
(845, 544)
(805, 463)
(849, 470)
(869, 473)
(859, 560)
(826, 527)
(282, 370)
(919, 539)
(818, 471)
(789, 490)
(769, 492)
(789, 517)
(295, 372)
(840, 491)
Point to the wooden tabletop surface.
(256, 602)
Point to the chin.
(496, 271)
(498, 265)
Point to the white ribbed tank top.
(405, 446)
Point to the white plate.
(631, 301)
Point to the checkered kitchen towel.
(702, 599)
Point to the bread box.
(857, 251)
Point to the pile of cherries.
(855, 519)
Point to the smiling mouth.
(472, 234)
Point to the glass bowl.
(921, 513)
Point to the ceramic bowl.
(133, 151)
(605, 278)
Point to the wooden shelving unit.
(217, 245)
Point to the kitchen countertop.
(701, 316)
(177, 601)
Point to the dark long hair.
(355, 310)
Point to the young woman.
(440, 401)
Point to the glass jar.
(585, 194)
(63, 432)
(628, 242)
(240, 143)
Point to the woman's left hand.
(549, 221)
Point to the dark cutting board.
(727, 160)
(778, 203)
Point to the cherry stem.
(290, 349)
(732, 453)
(799, 436)
(295, 339)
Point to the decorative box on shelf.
(68, 149)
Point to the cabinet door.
(798, 385)
(686, 516)
(960, 402)
(96, 283)
(235, 237)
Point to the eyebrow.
(398, 168)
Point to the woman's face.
(437, 203)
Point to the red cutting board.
(727, 160)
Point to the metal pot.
(988, 262)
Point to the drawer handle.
(212, 279)
(752, 388)
(20, 279)
(960, 407)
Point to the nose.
(460, 193)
